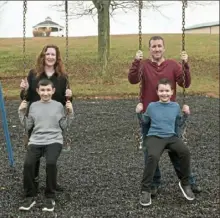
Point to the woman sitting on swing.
(49, 65)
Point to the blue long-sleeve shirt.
(164, 118)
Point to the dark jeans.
(37, 166)
(155, 147)
(173, 157)
(34, 153)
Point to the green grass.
(203, 51)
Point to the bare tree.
(104, 9)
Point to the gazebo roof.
(48, 23)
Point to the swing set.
(136, 133)
(2, 104)
(66, 138)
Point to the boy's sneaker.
(145, 199)
(154, 191)
(27, 204)
(49, 205)
(187, 191)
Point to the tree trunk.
(103, 28)
(108, 34)
(103, 35)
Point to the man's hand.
(139, 108)
(23, 106)
(139, 55)
(69, 107)
(184, 56)
(186, 109)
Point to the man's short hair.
(156, 38)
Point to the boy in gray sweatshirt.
(48, 118)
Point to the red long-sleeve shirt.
(149, 73)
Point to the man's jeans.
(173, 157)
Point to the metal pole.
(5, 128)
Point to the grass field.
(203, 51)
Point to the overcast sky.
(153, 22)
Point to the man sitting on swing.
(149, 72)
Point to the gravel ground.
(102, 172)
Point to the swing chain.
(25, 136)
(184, 5)
(24, 33)
(140, 38)
(67, 40)
(137, 130)
(24, 41)
(139, 22)
(66, 133)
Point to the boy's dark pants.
(155, 147)
(34, 153)
(37, 166)
(173, 157)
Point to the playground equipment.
(66, 133)
(5, 128)
(140, 7)
(2, 104)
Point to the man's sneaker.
(27, 204)
(196, 188)
(187, 192)
(145, 199)
(59, 188)
(154, 190)
(49, 205)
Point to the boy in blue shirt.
(164, 118)
(48, 119)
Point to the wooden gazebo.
(47, 27)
